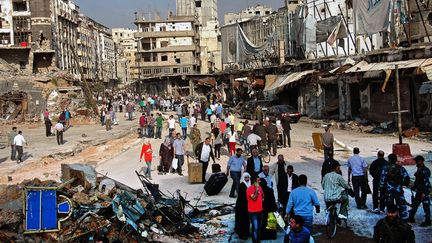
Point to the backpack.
(394, 175)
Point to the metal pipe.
(399, 115)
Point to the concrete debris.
(105, 207)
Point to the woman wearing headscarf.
(269, 206)
(241, 210)
(147, 154)
(166, 155)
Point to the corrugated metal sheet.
(295, 77)
(273, 81)
(363, 66)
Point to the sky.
(120, 13)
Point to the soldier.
(258, 113)
(393, 178)
(271, 130)
(392, 229)
(422, 188)
(195, 137)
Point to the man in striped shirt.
(335, 190)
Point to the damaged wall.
(36, 101)
(311, 100)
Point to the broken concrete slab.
(85, 175)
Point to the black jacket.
(327, 166)
(286, 123)
(376, 168)
(250, 167)
(198, 150)
(396, 231)
(283, 182)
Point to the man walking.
(286, 131)
(11, 137)
(278, 170)
(235, 165)
(393, 178)
(301, 201)
(254, 164)
(183, 124)
(204, 152)
(422, 187)
(271, 130)
(375, 170)
(327, 141)
(171, 125)
(143, 125)
(253, 141)
(254, 195)
(159, 123)
(265, 175)
(357, 167)
(288, 182)
(328, 164)
(179, 152)
(59, 132)
(19, 142)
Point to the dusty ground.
(85, 142)
(302, 155)
(116, 154)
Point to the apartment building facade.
(126, 48)
(167, 47)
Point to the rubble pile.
(102, 206)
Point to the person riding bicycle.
(335, 190)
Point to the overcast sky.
(120, 13)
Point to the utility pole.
(398, 103)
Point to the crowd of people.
(254, 183)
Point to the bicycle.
(332, 220)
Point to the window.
(267, 12)
(198, 4)
(175, 70)
(257, 12)
(20, 6)
(164, 58)
(164, 43)
(177, 60)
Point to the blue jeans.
(180, 163)
(184, 131)
(246, 145)
(308, 222)
(256, 220)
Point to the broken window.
(177, 60)
(198, 3)
(257, 12)
(146, 57)
(164, 58)
(164, 43)
(19, 6)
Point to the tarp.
(372, 16)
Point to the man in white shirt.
(19, 141)
(204, 152)
(171, 125)
(192, 121)
(59, 132)
(253, 140)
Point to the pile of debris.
(99, 206)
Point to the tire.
(331, 226)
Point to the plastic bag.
(271, 222)
(280, 221)
(174, 163)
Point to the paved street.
(302, 156)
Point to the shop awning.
(293, 77)
(210, 82)
(364, 66)
(273, 81)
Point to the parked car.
(247, 110)
(277, 111)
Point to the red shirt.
(146, 150)
(222, 127)
(254, 206)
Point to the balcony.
(162, 34)
(171, 49)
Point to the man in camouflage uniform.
(393, 178)
(195, 137)
(422, 187)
